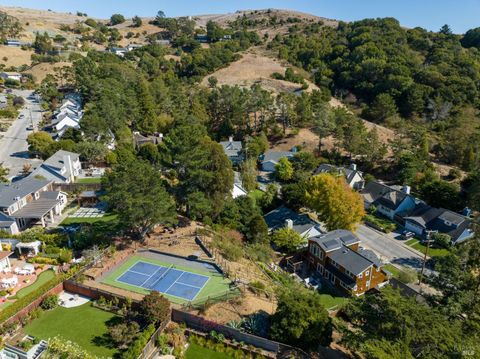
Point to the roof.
(277, 219)
(350, 260)
(21, 188)
(275, 156)
(57, 159)
(337, 243)
(36, 209)
(29, 244)
(6, 220)
(11, 73)
(376, 192)
(232, 148)
(5, 254)
(335, 239)
(436, 219)
(349, 173)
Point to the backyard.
(196, 351)
(88, 180)
(85, 325)
(432, 252)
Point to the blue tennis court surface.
(168, 280)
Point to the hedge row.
(139, 344)
(29, 298)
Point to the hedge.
(139, 344)
(29, 298)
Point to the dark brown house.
(336, 257)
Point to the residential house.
(139, 139)
(4, 260)
(426, 218)
(285, 217)
(61, 167)
(162, 42)
(119, 51)
(31, 200)
(233, 150)
(16, 76)
(337, 257)
(201, 38)
(68, 115)
(389, 201)
(238, 189)
(8, 224)
(353, 177)
(131, 47)
(270, 159)
(12, 42)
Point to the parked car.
(407, 235)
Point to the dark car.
(407, 234)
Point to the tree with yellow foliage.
(337, 205)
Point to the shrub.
(50, 302)
(154, 308)
(137, 346)
(43, 260)
(407, 276)
(257, 287)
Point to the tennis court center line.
(162, 276)
(141, 285)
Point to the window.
(368, 284)
(360, 275)
(367, 272)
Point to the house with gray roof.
(233, 150)
(353, 177)
(61, 167)
(426, 218)
(29, 201)
(337, 258)
(271, 158)
(282, 217)
(389, 201)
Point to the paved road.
(388, 248)
(13, 144)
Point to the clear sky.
(461, 15)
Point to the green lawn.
(196, 351)
(89, 180)
(331, 301)
(392, 269)
(432, 252)
(216, 285)
(78, 220)
(256, 195)
(85, 325)
(43, 278)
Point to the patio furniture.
(9, 282)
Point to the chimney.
(353, 166)
(230, 139)
(160, 137)
(289, 223)
(67, 162)
(406, 189)
(467, 212)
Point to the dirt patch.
(15, 56)
(256, 68)
(305, 138)
(41, 70)
(235, 309)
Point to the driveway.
(13, 145)
(388, 248)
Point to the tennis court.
(167, 280)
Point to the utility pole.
(429, 236)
